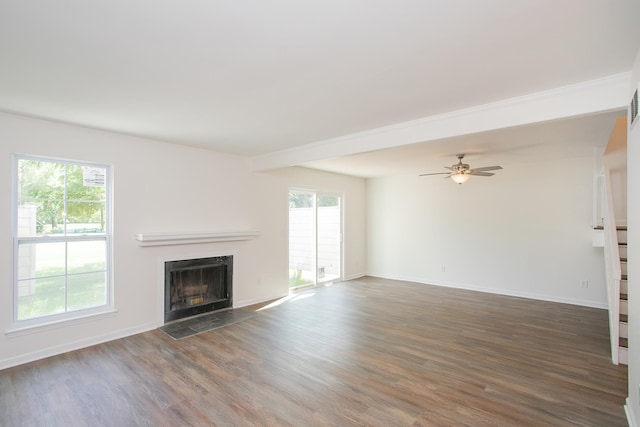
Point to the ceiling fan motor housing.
(460, 167)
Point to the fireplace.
(197, 286)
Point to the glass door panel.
(302, 239)
(329, 238)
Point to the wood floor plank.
(368, 352)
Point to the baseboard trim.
(244, 303)
(75, 345)
(355, 276)
(506, 292)
(631, 418)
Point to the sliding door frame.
(316, 194)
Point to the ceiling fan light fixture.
(460, 172)
(460, 177)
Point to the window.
(61, 240)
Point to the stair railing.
(613, 270)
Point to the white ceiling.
(255, 77)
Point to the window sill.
(15, 332)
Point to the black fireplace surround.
(197, 286)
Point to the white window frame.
(107, 237)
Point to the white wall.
(619, 184)
(615, 158)
(633, 253)
(207, 191)
(525, 231)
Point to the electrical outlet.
(584, 284)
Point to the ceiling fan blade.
(487, 168)
(448, 167)
(436, 173)
(476, 173)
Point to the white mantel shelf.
(167, 239)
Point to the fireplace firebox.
(197, 286)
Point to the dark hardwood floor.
(370, 352)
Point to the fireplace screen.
(197, 286)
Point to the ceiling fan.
(460, 172)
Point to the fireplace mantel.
(167, 239)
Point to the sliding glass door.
(315, 238)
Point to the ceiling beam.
(591, 97)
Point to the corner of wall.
(632, 407)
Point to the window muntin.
(61, 239)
